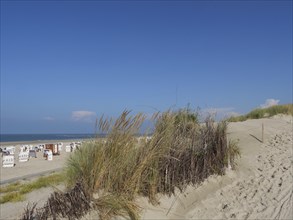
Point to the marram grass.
(180, 152)
(265, 113)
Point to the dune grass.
(10, 188)
(16, 192)
(111, 174)
(264, 113)
(12, 197)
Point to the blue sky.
(64, 63)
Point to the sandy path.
(30, 176)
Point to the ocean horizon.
(44, 137)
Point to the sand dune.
(260, 187)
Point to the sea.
(44, 137)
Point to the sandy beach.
(260, 187)
(27, 171)
(35, 166)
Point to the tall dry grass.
(181, 152)
(185, 152)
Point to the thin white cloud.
(86, 116)
(269, 103)
(49, 118)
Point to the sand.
(260, 187)
(33, 167)
(27, 171)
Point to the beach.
(259, 188)
(28, 171)
(33, 167)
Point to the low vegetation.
(265, 112)
(10, 188)
(16, 192)
(109, 175)
(11, 197)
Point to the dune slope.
(260, 188)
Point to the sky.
(66, 63)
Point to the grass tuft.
(180, 152)
(112, 205)
(264, 113)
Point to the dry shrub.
(29, 212)
(72, 205)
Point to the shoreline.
(15, 143)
